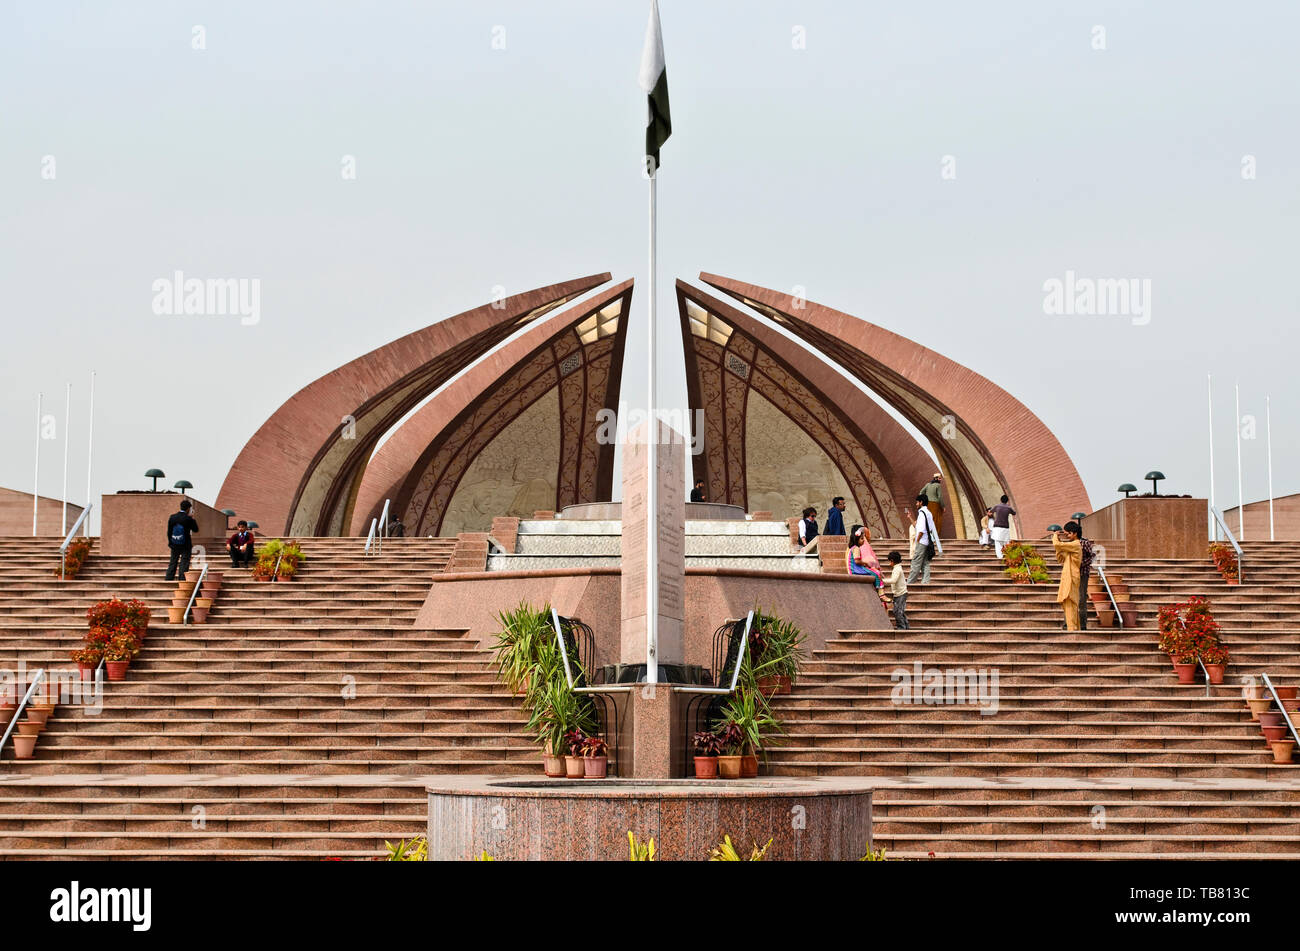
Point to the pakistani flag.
(654, 80)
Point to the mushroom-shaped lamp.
(1155, 476)
(1128, 488)
(155, 474)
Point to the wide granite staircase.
(1093, 750)
(299, 721)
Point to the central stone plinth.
(589, 819)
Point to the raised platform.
(606, 511)
(517, 819)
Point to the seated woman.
(862, 560)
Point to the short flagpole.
(1241, 513)
(36, 478)
(67, 438)
(90, 448)
(1268, 423)
(1209, 390)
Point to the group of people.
(181, 526)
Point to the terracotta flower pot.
(29, 728)
(1106, 617)
(87, 671)
(595, 766)
(729, 767)
(175, 615)
(199, 615)
(573, 767)
(24, 746)
(706, 767)
(1285, 693)
(1259, 706)
(1238, 581)
(116, 669)
(209, 591)
(768, 686)
(214, 578)
(203, 602)
(1186, 673)
(1282, 750)
(1268, 718)
(1216, 672)
(1130, 617)
(39, 712)
(261, 577)
(787, 685)
(748, 767)
(193, 574)
(553, 766)
(1273, 733)
(185, 587)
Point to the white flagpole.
(1209, 390)
(36, 478)
(90, 446)
(1241, 514)
(1268, 423)
(652, 501)
(67, 437)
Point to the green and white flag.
(654, 80)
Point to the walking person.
(1001, 530)
(928, 546)
(697, 493)
(898, 590)
(911, 534)
(807, 526)
(1070, 555)
(835, 517)
(933, 493)
(180, 540)
(1085, 572)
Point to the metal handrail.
(1101, 573)
(1281, 706)
(370, 536)
(63, 561)
(275, 572)
(21, 707)
(1241, 558)
(383, 525)
(735, 673)
(203, 573)
(568, 674)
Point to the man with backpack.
(180, 530)
(928, 546)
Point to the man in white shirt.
(926, 533)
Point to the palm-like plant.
(748, 712)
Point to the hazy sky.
(808, 150)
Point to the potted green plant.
(775, 652)
(708, 745)
(748, 710)
(730, 743)
(574, 768)
(595, 757)
(525, 645)
(554, 712)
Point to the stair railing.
(203, 573)
(1241, 558)
(600, 692)
(1290, 725)
(63, 561)
(1101, 573)
(383, 526)
(370, 536)
(40, 675)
